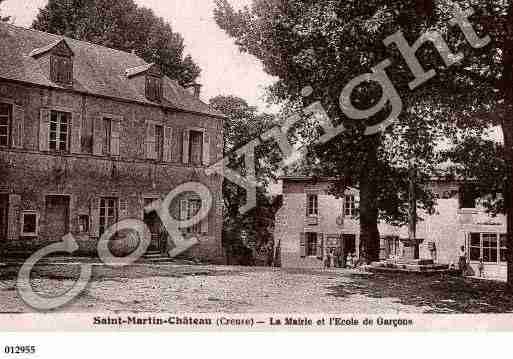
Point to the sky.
(225, 71)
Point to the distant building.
(89, 136)
(311, 222)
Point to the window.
(108, 213)
(29, 224)
(83, 223)
(489, 246)
(5, 124)
(311, 244)
(196, 147)
(153, 88)
(61, 70)
(349, 205)
(312, 205)
(159, 142)
(189, 208)
(59, 131)
(107, 132)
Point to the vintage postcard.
(331, 165)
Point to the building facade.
(311, 222)
(90, 136)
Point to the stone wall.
(29, 175)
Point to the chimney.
(194, 89)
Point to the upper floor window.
(61, 69)
(153, 88)
(107, 132)
(349, 205)
(312, 208)
(196, 147)
(59, 131)
(5, 124)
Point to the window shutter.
(302, 245)
(18, 123)
(98, 136)
(14, 217)
(185, 145)
(95, 217)
(168, 144)
(76, 133)
(184, 206)
(206, 149)
(151, 150)
(123, 209)
(204, 224)
(320, 245)
(115, 137)
(44, 130)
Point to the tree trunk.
(507, 128)
(369, 233)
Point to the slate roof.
(97, 70)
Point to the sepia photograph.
(256, 164)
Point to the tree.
(326, 44)
(3, 18)
(122, 25)
(244, 124)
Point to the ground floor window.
(311, 244)
(491, 247)
(29, 224)
(108, 213)
(188, 209)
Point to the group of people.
(337, 259)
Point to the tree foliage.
(122, 25)
(3, 18)
(254, 228)
(326, 44)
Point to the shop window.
(491, 247)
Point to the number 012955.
(20, 349)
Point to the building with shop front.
(90, 136)
(311, 223)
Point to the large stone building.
(91, 135)
(311, 222)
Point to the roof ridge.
(74, 40)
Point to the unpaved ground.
(181, 289)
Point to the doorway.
(152, 220)
(56, 217)
(4, 216)
(349, 243)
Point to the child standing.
(481, 268)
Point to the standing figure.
(481, 268)
(332, 258)
(462, 263)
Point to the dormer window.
(151, 76)
(153, 88)
(56, 60)
(61, 70)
